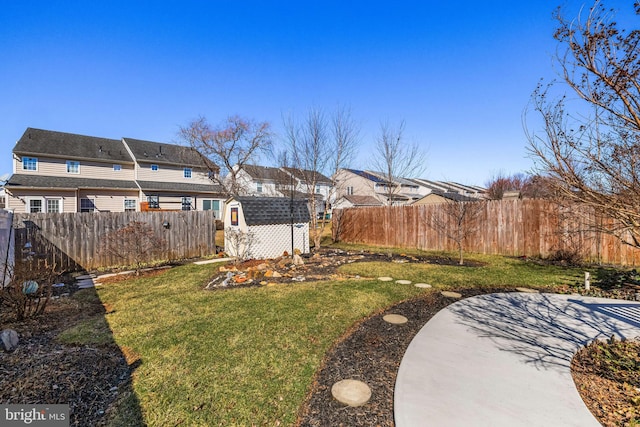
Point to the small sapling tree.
(134, 244)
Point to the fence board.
(72, 240)
(506, 227)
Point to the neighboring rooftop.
(39, 181)
(158, 152)
(305, 175)
(362, 200)
(265, 173)
(68, 145)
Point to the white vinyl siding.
(171, 173)
(99, 170)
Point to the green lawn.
(247, 356)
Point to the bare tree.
(590, 144)
(457, 219)
(319, 146)
(394, 157)
(231, 145)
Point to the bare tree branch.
(590, 147)
(231, 145)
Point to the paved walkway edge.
(504, 360)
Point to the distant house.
(355, 182)
(281, 182)
(262, 180)
(64, 172)
(398, 191)
(270, 221)
(441, 197)
(356, 202)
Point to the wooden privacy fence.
(72, 240)
(503, 227)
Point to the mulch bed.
(42, 371)
(371, 352)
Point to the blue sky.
(459, 74)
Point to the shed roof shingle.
(273, 210)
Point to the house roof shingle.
(303, 174)
(273, 210)
(158, 152)
(266, 173)
(357, 200)
(68, 145)
(37, 181)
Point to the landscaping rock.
(351, 392)
(9, 340)
(527, 290)
(422, 285)
(297, 260)
(450, 294)
(395, 319)
(385, 279)
(403, 282)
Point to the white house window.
(87, 205)
(29, 164)
(186, 204)
(154, 202)
(3, 202)
(187, 172)
(259, 187)
(35, 205)
(117, 168)
(154, 167)
(129, 205)
(317, 189)
(54, 205)
(212, 205)
(349, 191)
(73, 166)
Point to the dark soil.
(370, 352)
(607, 376)
(42, 371)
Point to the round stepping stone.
(395, 319)
(528, 290)
(450, 294)
(403, 282)
(351, 392)
(385, 279)
(422, 285)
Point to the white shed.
(265, 227)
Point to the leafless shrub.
(134, 244)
